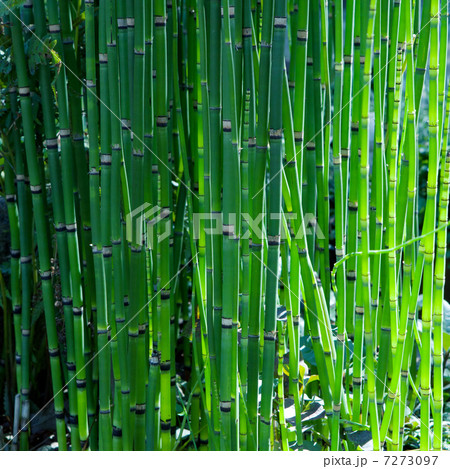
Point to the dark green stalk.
(14, 199)
(274, 221)
(215, 111)
(41, 230)
(67, 168)
(257, 167)
(161, 110)
(23, 221)
(429, 224)
(231, 232)
(339, 221)
(439, 280)
(102, 251)
(363, 205)
(117, 311)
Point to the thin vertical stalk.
(42, 238)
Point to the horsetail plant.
(222, 208)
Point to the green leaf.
(355, 424)
(362, 438)
(79, 20)
(8, 5)
(315, 411)
(446, 340)
(307, 351)
(311, 446)
(37, 312)
(446, 317)
(39, 50)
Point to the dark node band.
(165, 366)
(81, 383)
(165, 425)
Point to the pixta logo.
(147, 224)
